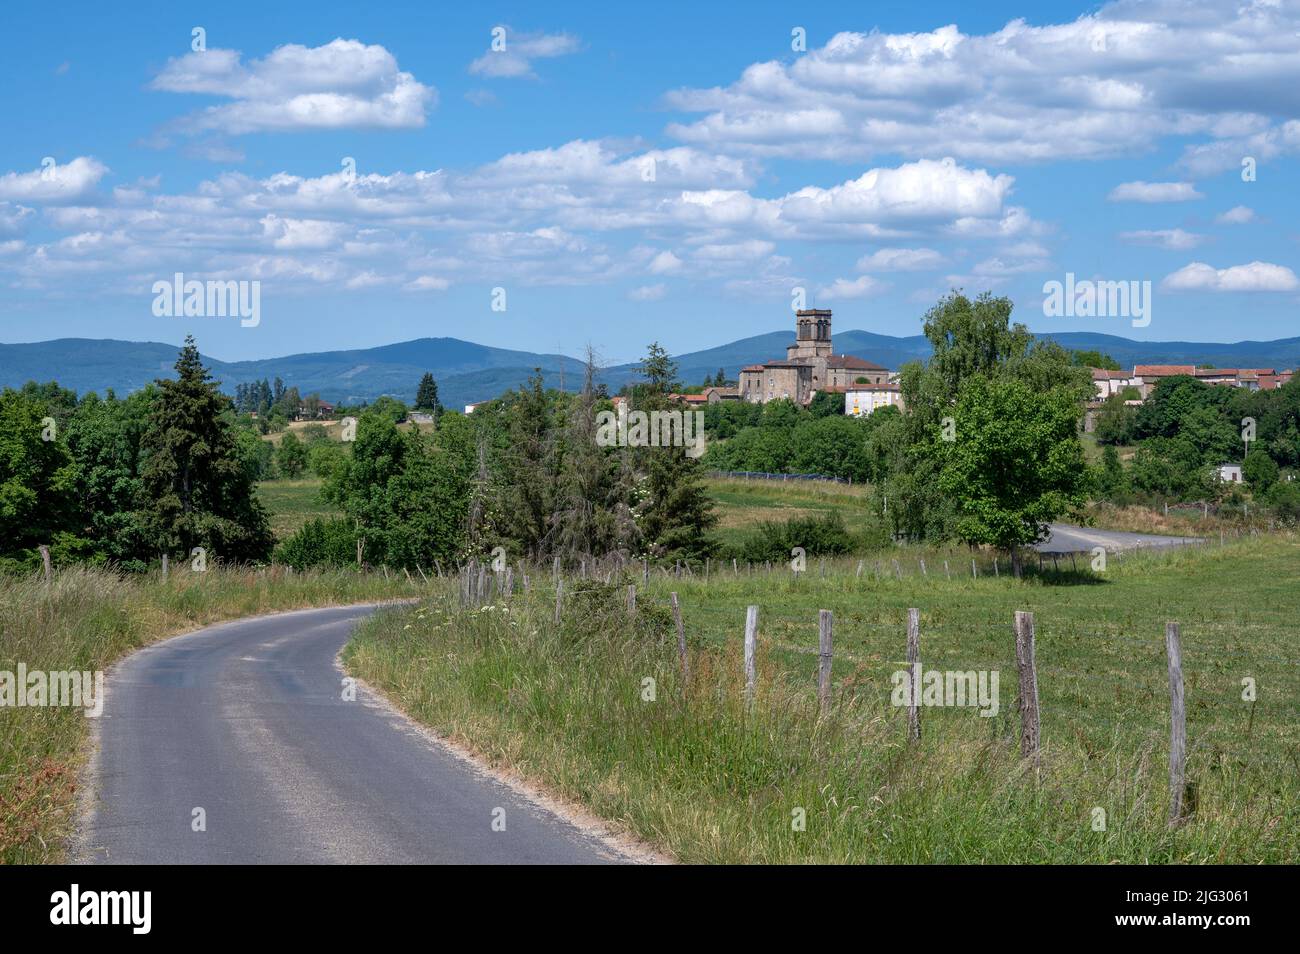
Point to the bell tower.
(812, 333)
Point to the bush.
(320, 543)
(825, 535)
(1284, 497)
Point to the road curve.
(247, 721)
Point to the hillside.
(468, 372)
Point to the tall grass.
(85, 620)
(698, 773)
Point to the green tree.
(1112, 482)
(38, 477)
(677, 513)
(1094, 359)
(291, 456)
(1016, 463)
(197, 487)
(426, 396)
(1259, 470)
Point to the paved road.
(1066, 538)
(246, 720)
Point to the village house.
(1145, 377)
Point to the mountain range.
(467, 372)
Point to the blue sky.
(629, 172)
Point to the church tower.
(812, 334)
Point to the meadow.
(696, 772)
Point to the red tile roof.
(852, 363)
(1162, 370)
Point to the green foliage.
(1284, 497)
(405, 495)
(197, 487)
(38, 478)
(291, 456)
(1016, 463)
(977, 487)
(1094, 359)
(323, 543)
(426, 396)
(1116, 422)
(389, 408)
(822, 535)
(1259, 470)
(326, 459)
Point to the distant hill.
(468, 372)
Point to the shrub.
(320, 543)
(823, 535)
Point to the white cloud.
(427, 283)
(1257, 276)
(1112, 83)
(516, 59)
(665, 263)
(54, 183)
(859, 287)
(1154, 192)
(14, 219)
(1237, 215)
(539, 217)
(302, 233)
(1176, 239)
(344, 84)
(900, 260)
(648, 292)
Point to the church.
(811, 365)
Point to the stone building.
(810, 365)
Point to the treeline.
(1187, 429)
(782, 437)
(524, 473)
(124, 480)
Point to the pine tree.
(678, 512)
(426, 397)
(596, 493)
(197, 488)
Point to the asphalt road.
(1066, 538)
(246, 721)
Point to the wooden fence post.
(751, 645)
(631, 599)
(1028, 701)
(825, 655)
(45, 560)
(164, 564)
(1177, 724)
(681, 638)
(914, 674)
(559, 599)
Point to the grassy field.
(292, 503)
(85, 620)
(697, 773)
(743, 504)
